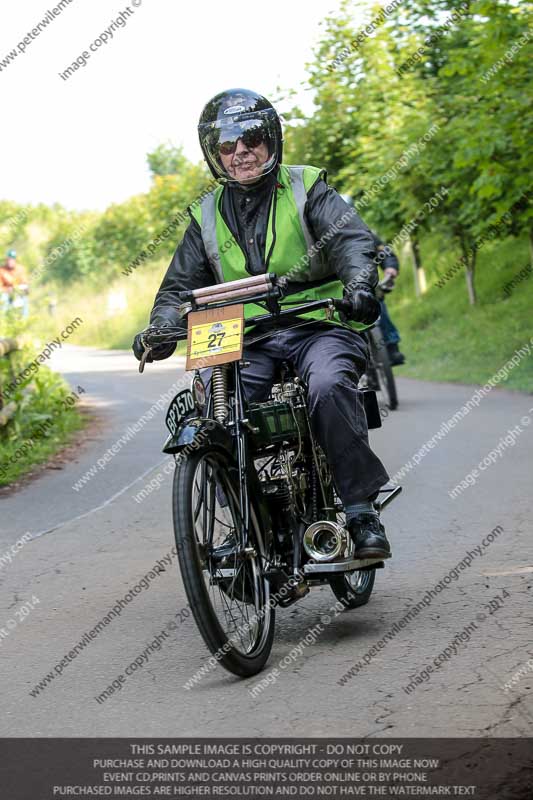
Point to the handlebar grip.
(343, 305)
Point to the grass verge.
(46, 409)
(444, 338)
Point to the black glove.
(158, 351)
(365, 306)
(138, 346)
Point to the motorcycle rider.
(284, 219)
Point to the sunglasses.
(250, 139)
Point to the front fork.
(238, 427)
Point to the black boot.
(368, 536)
(395, 357)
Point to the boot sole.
(371, 553)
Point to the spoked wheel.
(383, 367)
(353, 589)
(226, 587)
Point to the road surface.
(90, 547)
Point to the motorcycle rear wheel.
(353, 589)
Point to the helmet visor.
(243, 148)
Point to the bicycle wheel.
(227, 589)
(380, 356)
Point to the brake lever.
(147, 351)
(329, 311)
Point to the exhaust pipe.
(324, 541)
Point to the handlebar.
(267, 288)
(171, 333)
(266, 283)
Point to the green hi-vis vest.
(287, 244)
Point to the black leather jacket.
(350, 252)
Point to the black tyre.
(380, 356)
(353, 589)
(227, 590)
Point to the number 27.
(213, 337)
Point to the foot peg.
(392, 494)
(294, 594)
(286, 593)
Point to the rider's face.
(10, 263)
(246, 163)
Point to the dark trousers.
(330, 360)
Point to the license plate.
(180, 408)
(215, 336)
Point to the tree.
(460, 66)
(479, 73)
(166, 159)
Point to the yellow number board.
(214, 336)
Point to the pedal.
(293, 594)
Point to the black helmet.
(232, 127)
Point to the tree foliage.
(166, 159)
(435, 97)
(464, 67)
(62, 247)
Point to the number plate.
(180, 407)
(214, 336)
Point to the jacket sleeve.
(189, 269)
(350, 250)
(386, 257)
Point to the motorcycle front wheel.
(227, 589)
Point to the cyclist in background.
(390, 265)
(386, 258)
(13, 284)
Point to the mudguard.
(196, 433)
(371, 405)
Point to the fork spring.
(219, 383)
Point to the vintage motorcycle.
(257, 518)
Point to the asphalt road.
(90, 547)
